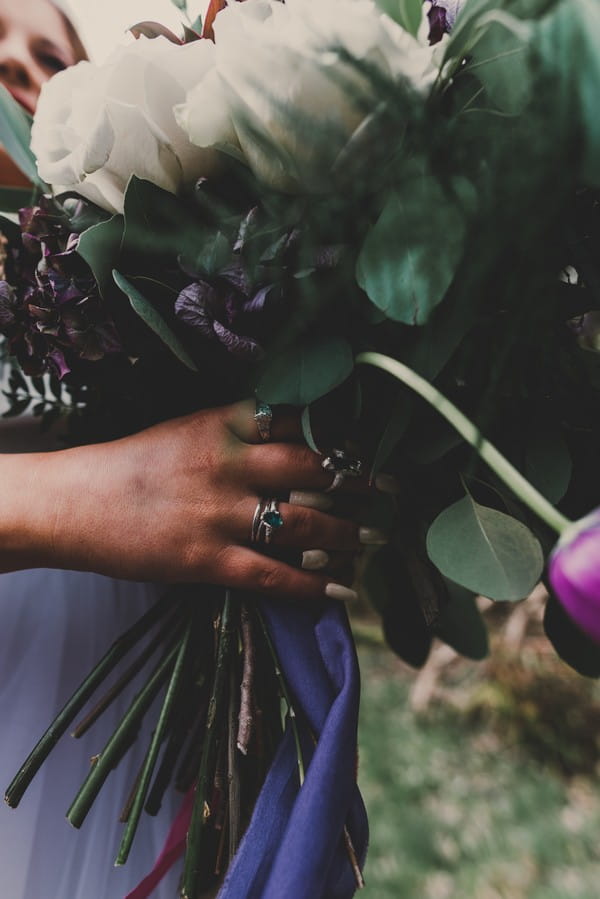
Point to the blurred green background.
(480, 778)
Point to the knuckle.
(268, 579)
(303, 524)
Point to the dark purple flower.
(219, 314)
(441, 15)
(574, 571)
(55, 317)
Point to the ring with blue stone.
(263, 418)
(267, 518)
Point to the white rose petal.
(292, 83)
(96, 126)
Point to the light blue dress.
(54, 625)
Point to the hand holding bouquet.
(346, 193)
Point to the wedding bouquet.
(395, 185)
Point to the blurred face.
(34, 45)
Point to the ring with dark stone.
(343, 466)
(263, 418)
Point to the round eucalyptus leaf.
(306, 371)
(486, 551)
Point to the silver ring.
(263, 418)
(343, 466)
(267, 518)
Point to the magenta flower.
(574, 570)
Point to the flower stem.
(117, 651)
(155, 744)
(197, 837)
(286, 696)
(513, 479)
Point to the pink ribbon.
(172, 850)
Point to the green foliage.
(548, 463)
(407, 13)
(486, 551)
(100, 245)
(159, 226)
(13, 198)
(409, 259)
(461, 625)
(15, 135)
(306, 371)
(572, 645)
(151, 317)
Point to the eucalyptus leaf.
(374, 583)
(159, 225)
(407, 13)
(99, 246)
(501, 61)
(15, 136)
(306, 372)
(548, 463)
(461, 625)
(572, 645)
(393, 434)
(154, 320)
(409, 259)
(307, 431)
(486, 551)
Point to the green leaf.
(486, 551)
(409, 258)
(15, 135)
(158, 225)
(307, 371)
(307, 431)
(13, 198)
(548, 463)
(99, 246)
(407, 13)
(501, 61)
(154, 320)
(374, 582)
(572, 645)
(461, 625)
(393, 434)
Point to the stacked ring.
(267, 518)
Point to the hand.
(176, 503)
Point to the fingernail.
(338, 591)
(372, 537)
(311, 500)
(387, 483)
(314, 559)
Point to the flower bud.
(574, 571)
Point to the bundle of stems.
(212, 708)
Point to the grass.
(458, 804)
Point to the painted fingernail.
(312, 500)
(338, 591)
(372, 537)
(314, 559)
(387, 483)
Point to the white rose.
(281, 92)
(95, 126)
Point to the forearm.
(28, 504)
